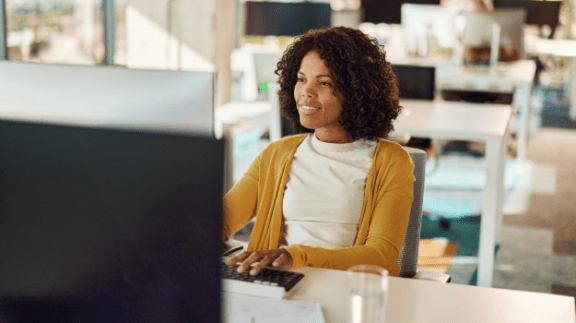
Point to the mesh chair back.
(409, 253)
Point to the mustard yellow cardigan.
(383, 222)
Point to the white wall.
(182, 35)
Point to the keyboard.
(270, 282)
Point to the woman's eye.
(299, 80)
(325, 83)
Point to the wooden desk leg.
(491, 209)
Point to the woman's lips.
(305, 109)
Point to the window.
(65, 31)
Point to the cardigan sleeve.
(387, 207)
(239, 204)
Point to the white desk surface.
(504, 77)
(453, 120)
(557, 47)
(419, 301)
(419, 61)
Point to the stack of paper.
(251, 309)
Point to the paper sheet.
(238, 308)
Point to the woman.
(336, 195)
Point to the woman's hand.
(279, 258)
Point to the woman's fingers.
(275, 257)
(284, 261)
(254, 257)
(261, 264)
(279, 262)
(238, 258)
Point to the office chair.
(408, 259)
(409, 254)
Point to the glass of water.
(368, 291)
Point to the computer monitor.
(108, 225)
(285, 18)
(417, 19)
(479, 27)
(389, 12)
(538, 12)
(415, 82)
(178, 101)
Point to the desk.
(557, 47)
(503, 78)
(413, 300)
(471, 122)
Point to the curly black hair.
(361, 74)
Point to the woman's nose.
(308, 90)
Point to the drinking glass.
(368, 291)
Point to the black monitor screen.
(101, 225)
(384, 11)
(539, 12)
(415, 82)
(286, 19)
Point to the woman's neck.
(335, 138)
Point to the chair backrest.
(409, 253)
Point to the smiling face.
(318, 107)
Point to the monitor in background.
(177, 101)
(285, 18)
(108, 225)
(415, 82)
(538, 12)
(478, 34)
(417, 19)
(388, 12)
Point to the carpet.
(454, 188)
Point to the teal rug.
(456, 192)
(449, 208)
(467, 178)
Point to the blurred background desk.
(472, 122)
(514, 78)
(508, 78)
(414, 300)
(557, 47)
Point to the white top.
(324, 192)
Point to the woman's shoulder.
(285, 145)
(391, 147)
(391, 152)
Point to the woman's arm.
(240, 202)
